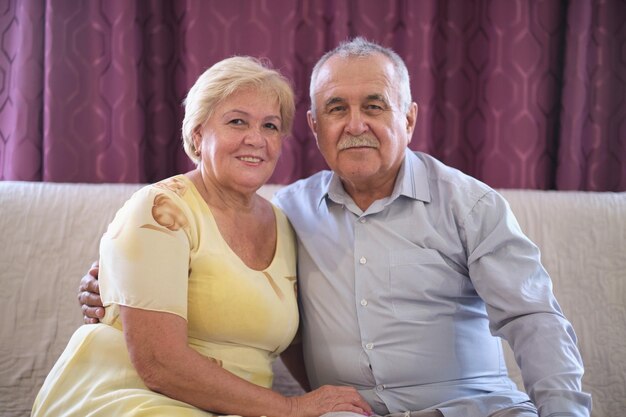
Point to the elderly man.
(408, 269)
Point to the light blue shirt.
(403, 301)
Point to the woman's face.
(241, 142)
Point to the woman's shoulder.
(159, 206)
(277, 211)
(283, 224)
(178, 185)
(176, 188)
(171, 193)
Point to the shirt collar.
(412, 179)
(412, 182)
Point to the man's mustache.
(367, 141)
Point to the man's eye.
(336, 109)
(374, 107)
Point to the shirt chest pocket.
(422, 285)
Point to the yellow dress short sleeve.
(144, 255)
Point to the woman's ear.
(197, 139)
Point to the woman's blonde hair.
(225, 78)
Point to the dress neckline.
(205, 205)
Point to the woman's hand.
(329, 398)
(89, 296)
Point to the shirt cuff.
(571, 404)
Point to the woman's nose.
(254, 137)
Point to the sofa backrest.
(49, 235)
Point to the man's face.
(359, 125)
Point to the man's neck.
(365, 194)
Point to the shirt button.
(364, 302)
(362, 261)
(380, 387)
(369, 346)
(363, 220)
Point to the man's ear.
(411, 120)
(312, 125)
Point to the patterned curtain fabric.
(518, 93)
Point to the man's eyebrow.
(369, 97)
(333, 100)
(378, 97)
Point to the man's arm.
(507, 273)
(89, 296)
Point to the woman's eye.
(236, 122)
(271, 126)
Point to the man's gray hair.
(362, 47)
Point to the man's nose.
(356, 123)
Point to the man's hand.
(89, 296)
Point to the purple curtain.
(518, 93)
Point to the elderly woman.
(197, 273)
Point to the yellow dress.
(163, 252)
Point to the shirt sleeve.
(506, 270)
(144, 255)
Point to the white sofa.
(49, 235)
